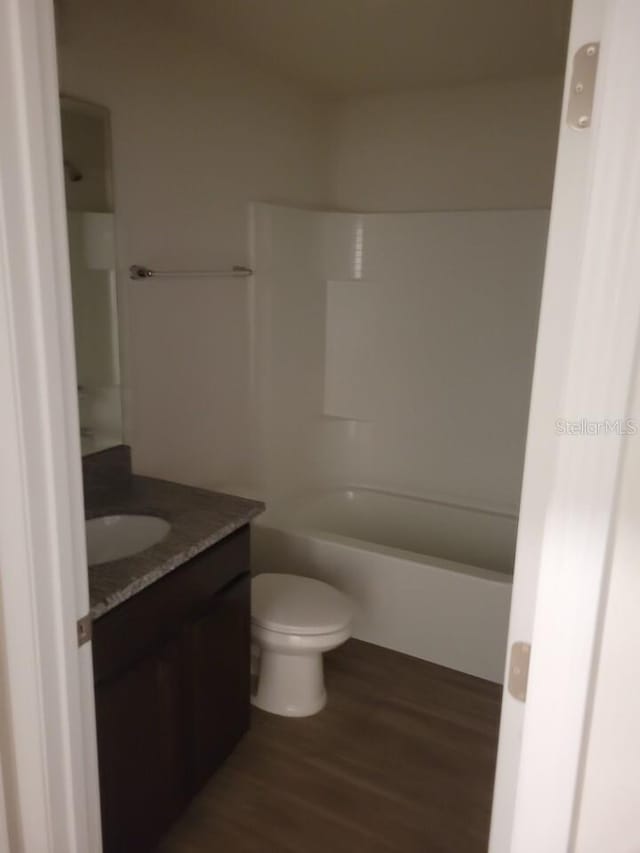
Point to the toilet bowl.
(294, 620)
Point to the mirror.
(86, 142)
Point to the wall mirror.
(86, 142)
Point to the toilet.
(294, 620)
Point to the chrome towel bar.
(136, 272)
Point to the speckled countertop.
(198, 520)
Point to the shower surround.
(392, 355)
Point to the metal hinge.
(84, 627)
(583, 84)
(519, 670)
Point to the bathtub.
(427, 578)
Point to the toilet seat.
(289, 604)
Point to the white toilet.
(294, 620)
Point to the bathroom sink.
(112, 537)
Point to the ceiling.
(351, 47)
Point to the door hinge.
(583, 84)
(85, 628)
(519, 670)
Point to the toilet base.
(291, 685)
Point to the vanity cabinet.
(142, 761)
(172, 683)
(214, 646)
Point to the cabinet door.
(140, 725)
(218, 651)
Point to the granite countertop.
(198, 519)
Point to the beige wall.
(196, 135)
(490, 145)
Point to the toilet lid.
(289, 604)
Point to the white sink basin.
(112, 537)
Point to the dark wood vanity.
(171, 667)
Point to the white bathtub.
(429, 579)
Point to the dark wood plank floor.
(401, 759)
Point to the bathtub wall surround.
(395, 351)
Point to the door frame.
(585, 369)
(47, 719)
